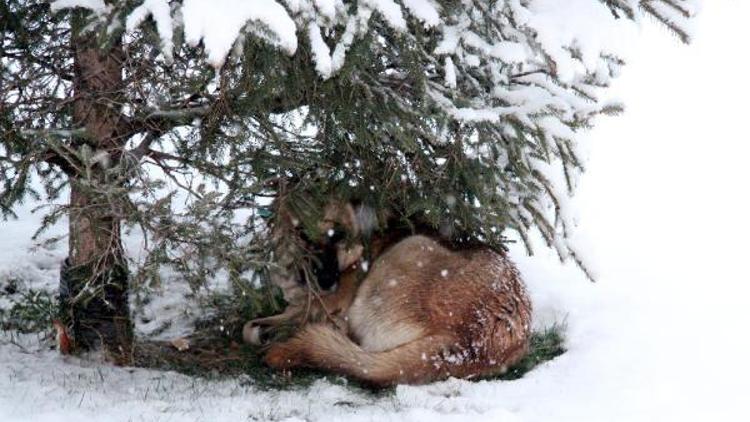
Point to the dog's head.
(336, 241)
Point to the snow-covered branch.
(508, 81)
(56, 133)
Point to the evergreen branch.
(648, 6)
(160, 121)
(56, 153)
(79, 133)
(163, 156)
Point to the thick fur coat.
(422, 313)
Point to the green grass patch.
(545, 345)
(215, 356)
(221, 358)
(26, 310)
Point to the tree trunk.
(94, 279)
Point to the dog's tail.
(321, 346)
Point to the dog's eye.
(336, 234)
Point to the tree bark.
(94, 281)
(95, 278)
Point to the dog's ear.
(366, 219)
(348, 256)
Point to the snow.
(390, 11)
(669, 13)
(450, 73)
(587, 25)
(424, 10)
(664, 210)
(96, 6)
(353, 25)
(321, 52)
(23, 259)
(218, 23)
(449, 43)
(160, 11)
(509, 52)
(327, 8)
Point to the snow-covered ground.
(664, 212)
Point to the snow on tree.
(499, 86)
(180, 118)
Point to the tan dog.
(422, 313)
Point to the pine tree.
(459, 115)
(97, 113)
(184, 118)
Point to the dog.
(413, 311)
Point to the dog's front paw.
(251, 334)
